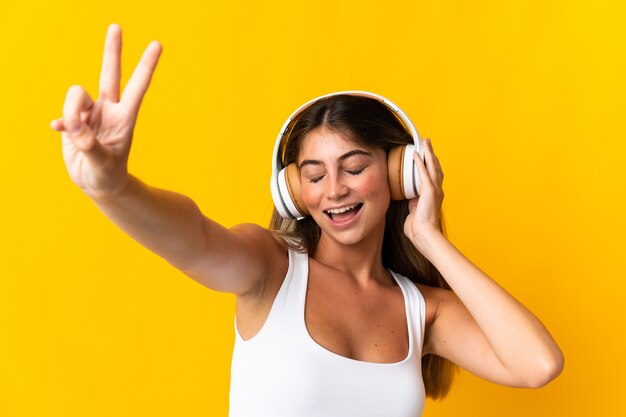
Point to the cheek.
(310, 195)
(377, 185)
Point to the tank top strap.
(416, 310)
(283, 321)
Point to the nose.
(336, 187)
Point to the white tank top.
(283, 372)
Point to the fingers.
(437, 164)
(110, 73)
(140, 80)
(57, 124)
(77, 101)
(432, 164)
(424, 178)
(429, 170)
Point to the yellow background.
(524, 103)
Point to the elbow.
(547, 371)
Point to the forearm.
(167, 223)
(517, 337)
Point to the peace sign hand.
(97, 135)
(424, 211)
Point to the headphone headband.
(286, 207)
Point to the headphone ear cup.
(294, 187)
(394, 165)
(402, 172)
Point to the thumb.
(413, 204)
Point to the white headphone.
(403, 177)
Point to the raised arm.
(97, 136)
(479, 326)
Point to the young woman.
(363, 307)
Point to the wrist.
(112, 194)
(426, 240)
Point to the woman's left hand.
(425, 210)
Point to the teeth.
(341, 209)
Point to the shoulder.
(261, 240)
(256, 234)
(269, 247)
(257, 301)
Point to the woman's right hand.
(97, 135)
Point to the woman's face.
(344, 186)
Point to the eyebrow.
(341, 158)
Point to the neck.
(361, 261)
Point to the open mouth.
(343, 213)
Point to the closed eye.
(355, 171)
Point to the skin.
(353, 307)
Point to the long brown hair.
(369, 122)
